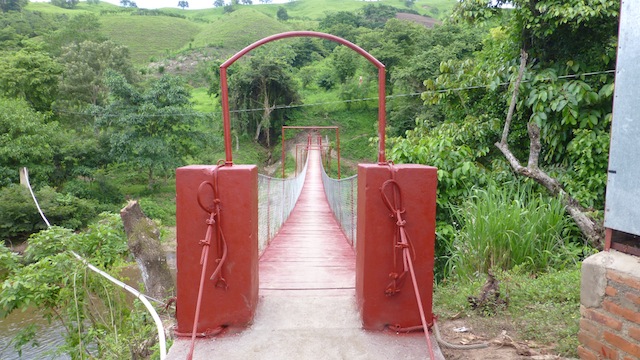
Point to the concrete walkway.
(307, 306)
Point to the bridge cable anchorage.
(140, 296)
(402, 243)
(221, 245)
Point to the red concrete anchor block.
(238, 193)
(375, 245)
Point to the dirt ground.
(496, 333)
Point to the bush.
(19, 216)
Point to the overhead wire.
(294, 106)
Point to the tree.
(264, 81)
(27, 140)
(218, 3)
(81, 27)
(93, 2)
(282, 14)
(266, 1)
(247, 2)
(152, 130)
(85, 66)
(183, 4)
(12, 5)
(32, 75)
(128, 3)
(555, 115)
(67, 4)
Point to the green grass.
(315, 9)
(510, 225)
(238, 29)
(149, 36)
(202, 101)
(544, 308)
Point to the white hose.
(136, 293)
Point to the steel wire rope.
(140, 296)
(278, 107)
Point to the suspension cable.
(140, 296)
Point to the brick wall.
(610, 307)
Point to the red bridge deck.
(307, 306)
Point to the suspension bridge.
(349, 275)
(307, 305)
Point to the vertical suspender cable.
(136, 293)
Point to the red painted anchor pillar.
(238, 193)
(375, 245)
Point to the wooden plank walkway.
(307, 306)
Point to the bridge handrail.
(276, 199)
(342, 196)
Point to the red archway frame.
(225, 92)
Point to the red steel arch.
(225, 92)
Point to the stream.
(50, 336)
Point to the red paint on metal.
(310, 251)
(375, 247)
(235, 305)
(224, 96)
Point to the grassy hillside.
(238, 29)
(149, 36)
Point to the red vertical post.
(235, 304)
(376, 258)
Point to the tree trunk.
(143, 239)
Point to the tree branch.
(514, 97)
(593, 230)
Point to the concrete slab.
(292, 324)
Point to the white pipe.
(136, 293)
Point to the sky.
(154, 4)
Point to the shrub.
(19, 216)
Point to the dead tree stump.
(143, 239)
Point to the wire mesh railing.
(342, 196)
(276, 199)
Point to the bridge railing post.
(378, 261)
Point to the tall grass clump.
(510, 225)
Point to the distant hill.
(170, 31)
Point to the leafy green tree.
(128, 3)
(264, 82)
(81, 27)
(15, 27)
(67, 4)
(13, 5)
(218, 3)
(345, 62)
(152, 130)
(32, 75)
(183, 4)
(282, 14)
(554, 113)
(93, 2)
(246, 2)
(85, 65)
(27, 140)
